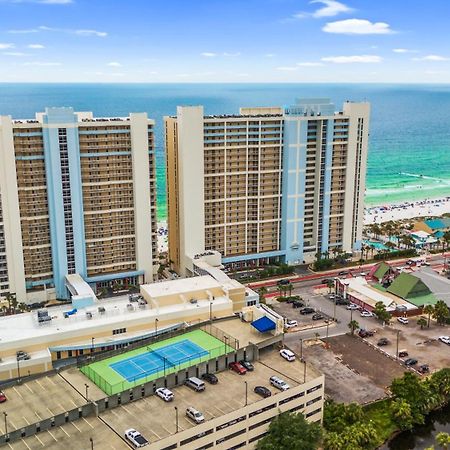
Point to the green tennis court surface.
(150, 362)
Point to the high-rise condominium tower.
(266, 184)
(77, 196)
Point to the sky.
(393, 41)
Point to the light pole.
(87, 390)
(18, 369)
(301, 349)
(226, 343)
(6, 423)
(246, 393)
(176, 418)
(210, 312)
(92, 344)
(398, 335)
(92, 443)
(334, 308)
(304, 371)
(156, 327)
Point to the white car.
(290, 324)
(195, 415)
(279, 383)
(136, 438)
(366, 314)
(287, 355)
(403, 320)
(165, 394)
(352, 306)
(445, 339)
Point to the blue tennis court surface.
(156, 360)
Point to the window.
(256, 438)
(198, 436)
(120, 331)
(313, 389)
(259, 424)
(231, 436)
(314, 400)
(289, 399)
(316, 411)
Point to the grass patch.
(380, 415)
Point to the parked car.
(2, 397)
(290, 324)
(352, 306)
(22, 356)
(410, 362)
(283, 282)
(247, 365)
(210, 378)
(165, 394)
(238, 368)
(331, 296)
(326, 280)
(424, 368)
(383, 341)
(288, 355)
(136, 438)
(403, 320)
(317, 316)
(306, 310)
(365, 313)
(365, 333)
(195, 415)
(297, 304)
(402, 353)
(279, 383)
(445, 339)
(341, 301)
(343, 272)
(262, 391)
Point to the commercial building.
(266, 184)
(77, 196)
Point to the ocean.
(409, 153)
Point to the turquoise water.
(376, 245)
(409, 155)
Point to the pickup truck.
(136, 438)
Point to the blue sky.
(225, 41)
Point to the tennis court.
(147, 363)
(160, 359)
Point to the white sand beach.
(407, 210)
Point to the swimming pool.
(377, 245)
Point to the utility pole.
(92, 344)
(92, 443)
(176, 418)
(156, 327)
(246, 393)
(6, 423)
(301, 349)
(87, 390)
(398, 336)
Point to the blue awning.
(264, 324)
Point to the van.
(195, 415)
(288, 355)
(195, 383)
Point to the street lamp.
(18, 369)
(156, 326)
(301, 349)
(398, 335)
(210, 312)
(176, 418)
(246, 393)
(92, 344)
(304, 371)
(87, 389)
(6, 423)
(226, 343)
(92, 443)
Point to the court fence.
(221, 335)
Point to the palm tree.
(289, 287)
(422, 322)
(443, 439)
(428, 309)
(353, 325)
(262, 291)
(330, 285)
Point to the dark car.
(317, 316)
(326, 280)
(297, 304)
(247, 364)
(3, 397)
(238, 368)
(365, 333)
(382, 341)
(306, 310)
(343, 272)
(342, 301)
(424, 368)
(262, 391)
(210, 378)
(410, 362)
(283, 282)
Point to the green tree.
(429, 310)
(293, 432)
(262, 291)
(353, 325)
(402, 413)
(443, 440)
(441, 313)
(330, 285)
(289, 288)
(422, 322)
(380, 312)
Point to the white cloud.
(432, 58)
(403, 50)
(55, 2)
(287, 68)
(208, 55)
(357, 26)
(331, 8)
(309, 64)
(114, 64)
(60, 30)
(353, 59)
(269, 55)
(6, 46)
(14, 54)
(35, 46)
(91, 33)
(42, 63)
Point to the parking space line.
(76, 406)
(28, 447)
(126, 409)
(38, 416)
(48, 431)
(11, 422)
(156, 434)
(28, 387)
(73, 423)
(17, 392)
(51, 412)
(36, 436)
(88, 422)
(162, 426)
(43, 388)
(65, 431)
(24, 418)
(9, 445)
(113, 412)
(51, 381)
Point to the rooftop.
(438, 285)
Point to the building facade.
(78, 196)
(266, 184)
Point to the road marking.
(24, 418)
(62, 407)
(9, 445)
(28, 387)
(156, 434)
(12, 423)
(65, 431)
(73, 423)
(43, 388)
(126, 409)
(76, 406)
(162, 426)
(51, 412)
(113, 412)
(88, 423)
(38, 416)
(17, 392)
(28, 447)
(36, 436)
(48, 431)
(51, 381)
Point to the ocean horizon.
(409, 146)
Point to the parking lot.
(38, 399)
(217, 400)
